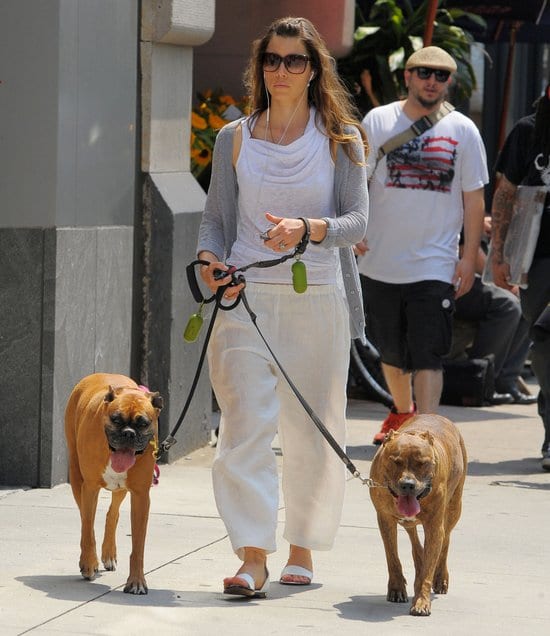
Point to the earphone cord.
(268, 120)
(278, 143)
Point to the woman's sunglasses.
(294, 63)
(425, 73)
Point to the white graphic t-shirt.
(416, 208)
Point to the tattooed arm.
(503, 203)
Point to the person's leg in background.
(400, 386)
(509, 378)
(386, 326)
(429, 307)
(428, 385)
(500, 332)
(534, 299)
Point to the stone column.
(172, 207)
(68, 75)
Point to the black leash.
(217, 297)
(315, 418)
(170, 439)
(236, 279)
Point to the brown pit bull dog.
(111, 426)
(422, 468)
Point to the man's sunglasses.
(294, 63)
(425, 73)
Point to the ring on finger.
(282, 245)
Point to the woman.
(295, 166)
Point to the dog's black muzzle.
(408, 487)
(128, 438)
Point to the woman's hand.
(211, 277)
(285, 234)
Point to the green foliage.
(392, 31)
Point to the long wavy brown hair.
(326, 91)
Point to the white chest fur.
(114, 480)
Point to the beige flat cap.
(433, 57)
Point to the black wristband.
(307, 233)
(301, 247)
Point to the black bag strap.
(419, 127)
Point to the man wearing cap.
(422, 193)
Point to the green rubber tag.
(194, 325)
(299, 277)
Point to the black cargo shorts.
(410, 323)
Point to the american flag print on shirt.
(424, 163)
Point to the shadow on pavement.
(81, 591)
(366, 452)
(525, 466)
(373, 608)
(522, 484)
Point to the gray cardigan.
(218, 229)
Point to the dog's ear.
(110, 396)
(157, 401)
(428, 437)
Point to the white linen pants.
(309, 334)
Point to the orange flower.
(198, 122)
(202, 157)
(216, 122)
(207, 117)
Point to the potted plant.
(389, 33)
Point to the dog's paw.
(397, 596)
(441, 587)
(135, 586)
(421, 607)
(109, 563)
(89, 571)
(440, 583)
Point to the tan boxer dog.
(111, 426)
(422, 468)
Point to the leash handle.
(193, 283)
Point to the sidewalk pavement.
(499, 557)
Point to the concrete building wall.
(68, 104)
(29, 41)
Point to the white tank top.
(296, 180)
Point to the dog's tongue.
(408, 506)
(122, 460)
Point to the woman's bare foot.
(301, 558)
(254, 564)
